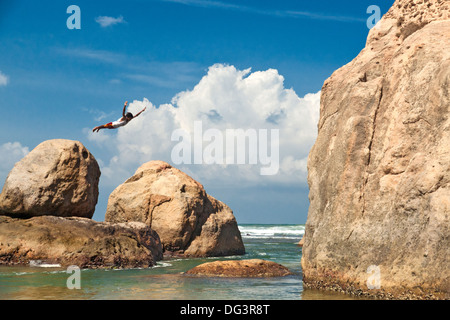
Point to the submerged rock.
(240, 269)
(49, 240)
(379, 172)
(58, 177)
(188, 220)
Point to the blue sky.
(58, 83)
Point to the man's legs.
(108, 125)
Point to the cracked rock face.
(379, 172)
(188, 221)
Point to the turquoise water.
(165, 281)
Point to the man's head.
(129, 116)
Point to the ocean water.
(165, 281)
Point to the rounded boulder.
(189, 221)
(58, 177)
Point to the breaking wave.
(267, 231)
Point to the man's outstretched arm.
(140, 112)
(124, 108)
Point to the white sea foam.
(21, 273)
(40, 264)
(260, 231)
(162, 265)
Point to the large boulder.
(77, 241)
(189, 221)
(58, 177)
(379, 172)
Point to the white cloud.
(4, 79)
(10, 153)
(95, 55)
(105, 21)
(225, 98)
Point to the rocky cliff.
(379, 172)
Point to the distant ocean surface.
(164, 281)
